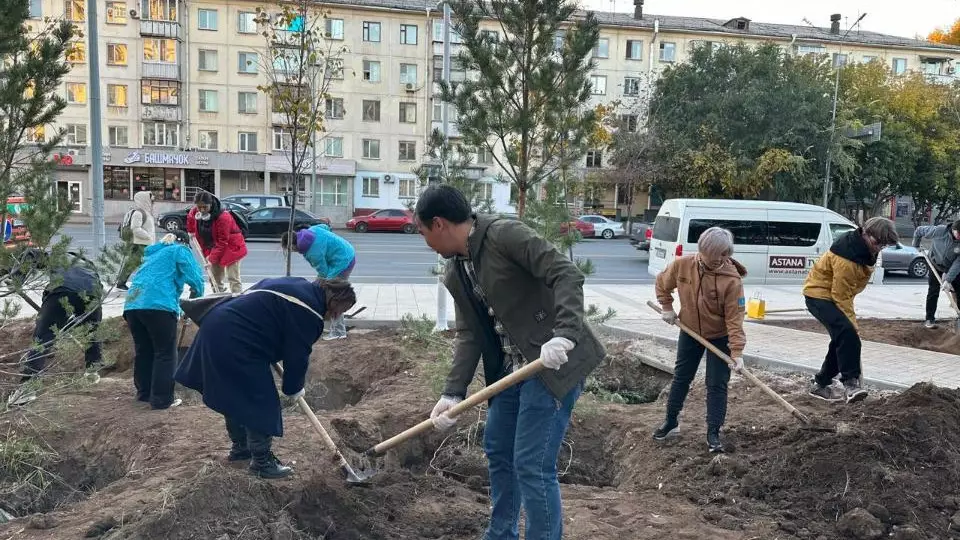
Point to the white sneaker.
(330, 337)
(930, 324)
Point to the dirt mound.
(893, 332)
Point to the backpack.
(241, 222)
(126, 232)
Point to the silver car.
(604, 227)
(901, 258)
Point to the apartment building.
(182, 110)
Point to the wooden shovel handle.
(486, 393)
(932, 268)
(746, 373)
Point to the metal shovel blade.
(358, 477)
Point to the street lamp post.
(441, 324)
(96, 129)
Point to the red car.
(586, 228)
(384, 220)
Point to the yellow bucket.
(756, 308)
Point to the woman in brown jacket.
(711, 296)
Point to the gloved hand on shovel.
(669, 316)
(553, 353)
(947, 287)
(441, 421)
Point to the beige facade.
(181, 107)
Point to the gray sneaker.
(822, 392)
(930, 324)
(853, 391)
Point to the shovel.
(352, 476)
(488, 392)
(750, 376)
(950, 296)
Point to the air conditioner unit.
(387, 179)
(410, 87)
(72, 152)
(951, 70)
(134, 14)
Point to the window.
(631, 86)
(634, 49)
(208, 101)
(594, 159)
(117, 95)
(408, 112)
(437, 111)
(793, 234)
(163, 183)
(804, 50)
(75, 10)
(160, 92)
(559, 39)
(868, 59)
(629, 122)
(407, 188)
(77, 93)
(118, 136)
(484, 156)
(247, 22)
(490, 36)
(899, 66)
(408, 34)
(408, 150)
(77, 52)
(745, 233)
(333, 191)
(371, 149)
(207, 19)
(116, 54)
(408, 74)
(602, 50)
(247, 102)
(159, 10)
(334, 28)
(76, 134)
(161, 134)
(438, 32)
(839, 60)
(207, 60)
(371, 32)
(333, 147)
(116, 13)
(247, 62)
(484, 191)
(457, 71)
(371, 186)
(36, 135)
(248, 141)
(839, 229)
(160, 50)
(116, 183)
(208, 140)
(371, 71)
(371, 110)
(36, 9)
(598, 84)
(668, 51)
(281, 139)
(333, 108)
(666, 228)
(245, 186)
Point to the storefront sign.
(163, 158)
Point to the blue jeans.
(525, 427)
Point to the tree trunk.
(521, 200)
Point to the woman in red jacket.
(220, 240)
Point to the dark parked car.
(384, 220)
(177, 220)
(901, 258)
(273, 222)
(640, 236)
(254, 201)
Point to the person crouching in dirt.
(72, 298)
(517, 299)
(151, 310)
(229, 361)
(710, 287)
(330, 255)
(833, 282)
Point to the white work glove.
(441, 421)
(553, 353)
(298, 395)
(947, 287)
(738, 363)
(669, 316)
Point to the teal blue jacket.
(159, 281)
(328, 253)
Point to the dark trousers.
(933, 293)
(843, 354)
(134, 257)
(54, 315)
(689, 353)
(155, 351)
(243, 437)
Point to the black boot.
(264, 463)
(239, 451)
(714, 444)
(670, 428)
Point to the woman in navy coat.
(230, 359)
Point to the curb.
(766, 362)
(379, 324)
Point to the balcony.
(454, 127)
(941, 78)
(161, 70)
(166, 29)
(161, 113)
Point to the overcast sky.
(900, 18)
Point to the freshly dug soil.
(901, 332)
(118, 470)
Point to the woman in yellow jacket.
(829, 289)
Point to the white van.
(778, 242)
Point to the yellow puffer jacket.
(842, 273)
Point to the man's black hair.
(443, 201)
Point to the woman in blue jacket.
(151, 310)
(330, 255)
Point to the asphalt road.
(403, 258)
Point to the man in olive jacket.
(517, 299)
